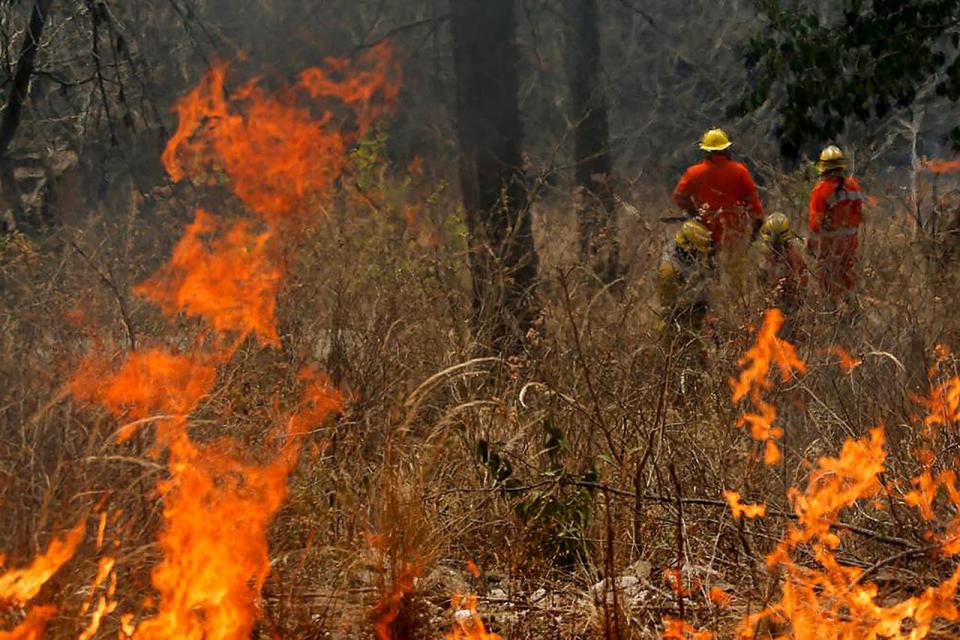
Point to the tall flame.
(280, 152)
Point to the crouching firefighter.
(685, 271)
(783, 271)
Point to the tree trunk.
(596, 204)
(18, 95)
(503, 260)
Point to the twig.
(588, 378)
(115, 290)
(679, 575)
(703, 502)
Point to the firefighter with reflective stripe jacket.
(783, 270)
(684, 275)
(720, 191)
(835, 219)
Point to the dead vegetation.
(584, 478)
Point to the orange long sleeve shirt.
(723, 192)
(835, 210)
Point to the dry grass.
(617, 442)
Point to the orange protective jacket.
(722, 191)
(834, 211)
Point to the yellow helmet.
(715, 140)
(776, 228)
(694, 236)
(831, 158)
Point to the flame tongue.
(280, 155)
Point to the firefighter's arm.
(683, 194)
(751, 197)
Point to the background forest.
(474, 277)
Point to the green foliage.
(553, 504)
(369, 158)
(875, 57)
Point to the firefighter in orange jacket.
(835, 219)
(720, 192)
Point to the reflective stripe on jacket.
(835, 207)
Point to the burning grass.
(600, 479)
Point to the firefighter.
(783, 270)
(683, 276)
(720, 191)
(835, 219)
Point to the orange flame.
(468, 624)
(388, 608)
(768, 349)
(943, 403)
(719, 597)
(847, 362)
(280, 153)
(233, 283)
(473, 568)
(682, 630)
(943, 166)
(33, 625)
(19, 586)
(739, 509)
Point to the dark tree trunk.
(596, 204)
(503, 260)
(18, 95)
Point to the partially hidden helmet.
(776, 228)
(694, 236)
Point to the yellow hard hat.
(715, 140)
(776, 228)
(831, 158)
(694, 236)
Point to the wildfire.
(942, 166)
(769, 349)
(739, 509)
(279, 152)
(19, 586)
(468, 625)
(847, 362)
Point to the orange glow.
(847, 362)
(674, 579)
(768, 349)
(388, 608)
(468, 624)
(33, 625)
(738, 508)
(19, 586)
(943, 166)
(279, 152)
(681, 630)
(150, 382)
(473, 568)
(943, 403)
(222, 273)
(282, 150)
(719, 597)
